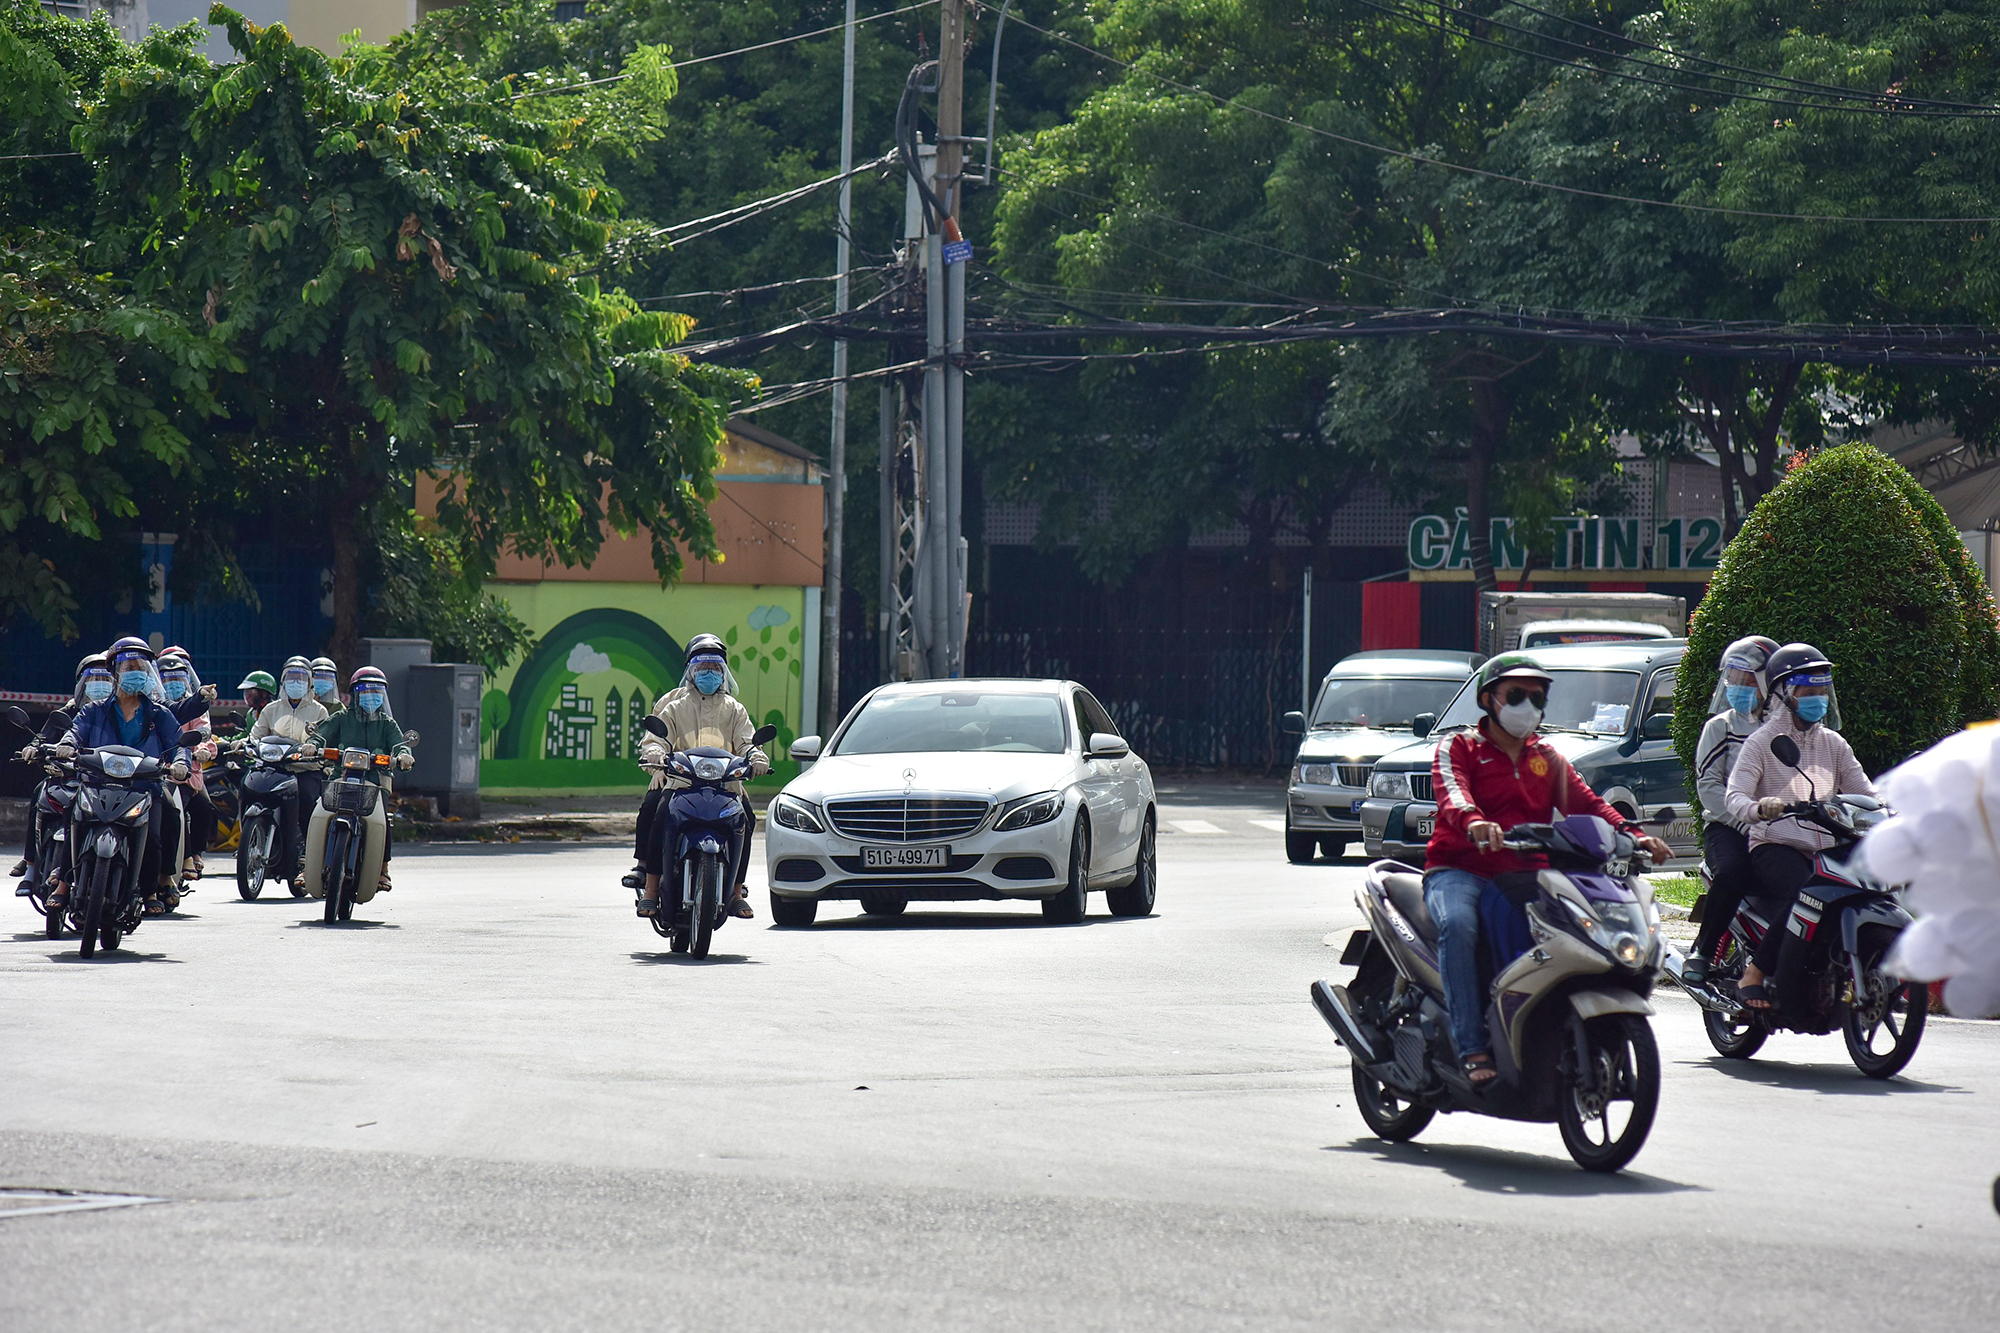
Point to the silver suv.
(1367, 706)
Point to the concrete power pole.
(953, 252)
(836, 505)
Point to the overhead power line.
(1427, 160)
(729, 217)
(724, 55)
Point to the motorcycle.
(345, 851)
(108, 825)
(53, 797)
(704, 860)
(1839, 930)
(1568, 1018)
(266, 778)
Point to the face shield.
(295, 685)
(94, 686)
(1799, 690)
(180, 678)
(371, 699)
(136, 673)
(1742, 664)
(698, 667)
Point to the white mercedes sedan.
(963, 790)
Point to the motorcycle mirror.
(654, 726)
(18, 717)
(763, 735)
(411, 738)
(1787, 751)
(1665, 816)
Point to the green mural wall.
(567, 716)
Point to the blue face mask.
(708, 682)
(1812, 707)
(323, 688)
(97, 691)
(132, 682)
(368, 701)
(295, 690)
(1742, 698)
(176, 689)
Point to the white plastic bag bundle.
(1944, 842)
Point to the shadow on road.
(317, 924)
(647, 957)
(1502, 1171)
(116, 956)
(955, 921)
(1827, 1080)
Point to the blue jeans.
(1454, 899)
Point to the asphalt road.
(500, 1103)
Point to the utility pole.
(836, 503)
(951, 558)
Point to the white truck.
(1601, 616)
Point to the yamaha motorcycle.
(1842, 926)
(108, 828)
(1568, 1018)
(711, 841)
(267, 782)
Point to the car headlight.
(1394, 786)
(1029, 811)
(1620, 929)
(792, 813)
(1319, 775)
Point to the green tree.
(1848, 555)
(403, 260)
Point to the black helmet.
(707, 645)
(1794, 660)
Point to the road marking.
(1192, 826)
(1275, 825)
(17, 1202)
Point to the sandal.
(1476, 1064)
(154, 907)
(739, 907)
(1754, 997)
(648, 906)
(635, 878)
(1694, 972)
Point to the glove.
(206, 750)
(178, 771)
(64, 750)
(1771, 807)
(406, 762)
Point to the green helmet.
(258, 680)
(1508, 666)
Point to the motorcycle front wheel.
(90, 879)
(1883, 1028)
(1623, 1072)
(332, 868)
(707, 902)
(252, 853)
(1387, 1114)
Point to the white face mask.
(1520, 719)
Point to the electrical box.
(441, 700)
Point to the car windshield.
(1379, 701)
(956, 722)
(1598, 703)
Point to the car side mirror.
(653, 725)
(1657, 727)
(1104, 745)
(763, 735)
(1786, 750)
(805, 748)
(1422, 724)
(1293, 723)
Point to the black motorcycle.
(712, 840)
(266, 774)
(48, 859)
(108, 829)
(1840, 929)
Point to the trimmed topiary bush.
(1850, 555)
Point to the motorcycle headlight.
(120, 765)
(1620, 929)
(1029, 811)
(792, 813)
(708, 770)
(1393, 786)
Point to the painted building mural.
(568, 716)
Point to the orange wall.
(768, 532)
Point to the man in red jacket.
(1487, 780)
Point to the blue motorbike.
(711, 837)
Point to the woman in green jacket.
(367, 724)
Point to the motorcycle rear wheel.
(1628, 1070)
(1904, 1010)
(1384, 1110)
(1736, 1037)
